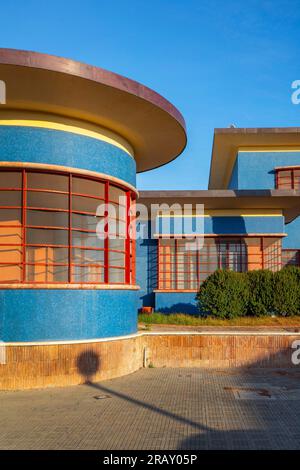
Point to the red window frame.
(208, 259)
(129, 242)
(287, 178)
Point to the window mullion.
(106, 233)
(24, 199)
(70, 229)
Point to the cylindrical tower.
(72, 137)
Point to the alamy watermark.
(296, 353)
(160, 220)
(295, 98)
(2, 353)
(2, 92)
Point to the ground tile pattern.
(159, 409)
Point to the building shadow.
(202, 436)
(181, 307)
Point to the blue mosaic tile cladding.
(62, 314)
(255, 170)
(221, 225)
(54, 147)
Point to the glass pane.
(116, 276)
(47, 218)
(117, 244)
(86, 204)
(86, 222)
(296, 179)
(223, 256)
(46, 236)
(86, 239)
(87, 186)
(89, 274)
(11, 198)
(47, 273)
(11, 235)
(116, 259)
(80, 256)
(115, 211)
(10, 179)
(47, 200)
(10, 216)
(285, 179)
(290, 258)
(47, 255)
(10, 254)
(48, 181)
(117, 195)
(10, 273)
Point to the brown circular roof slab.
(40, 82)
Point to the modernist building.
(250, 218)
(72, 138)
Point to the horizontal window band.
(67, 171)
(158, 291)
(51, 285)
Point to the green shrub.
(224, 294)
(294, 270)
(286, 295)
(261, 295)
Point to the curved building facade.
(72, 137)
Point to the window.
(232, 255)
(290, 257)
(48, 225)
(288, 178)
(184, 266)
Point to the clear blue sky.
(219, 62)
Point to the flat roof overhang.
(286, 200)
(44, 83)
(227, 142)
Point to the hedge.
(261, 285)
(226, 294)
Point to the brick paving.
(159, 409)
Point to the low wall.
(44, 365)
(215, 350)
(61, 364)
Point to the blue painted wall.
(35, 145)
(231, 225)
(62, 314)
(293, 235)
(255, 170)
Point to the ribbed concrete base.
(62, 364)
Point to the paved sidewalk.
(159, 409)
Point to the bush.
(224, 294)
(286, 295)
(261, 295)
